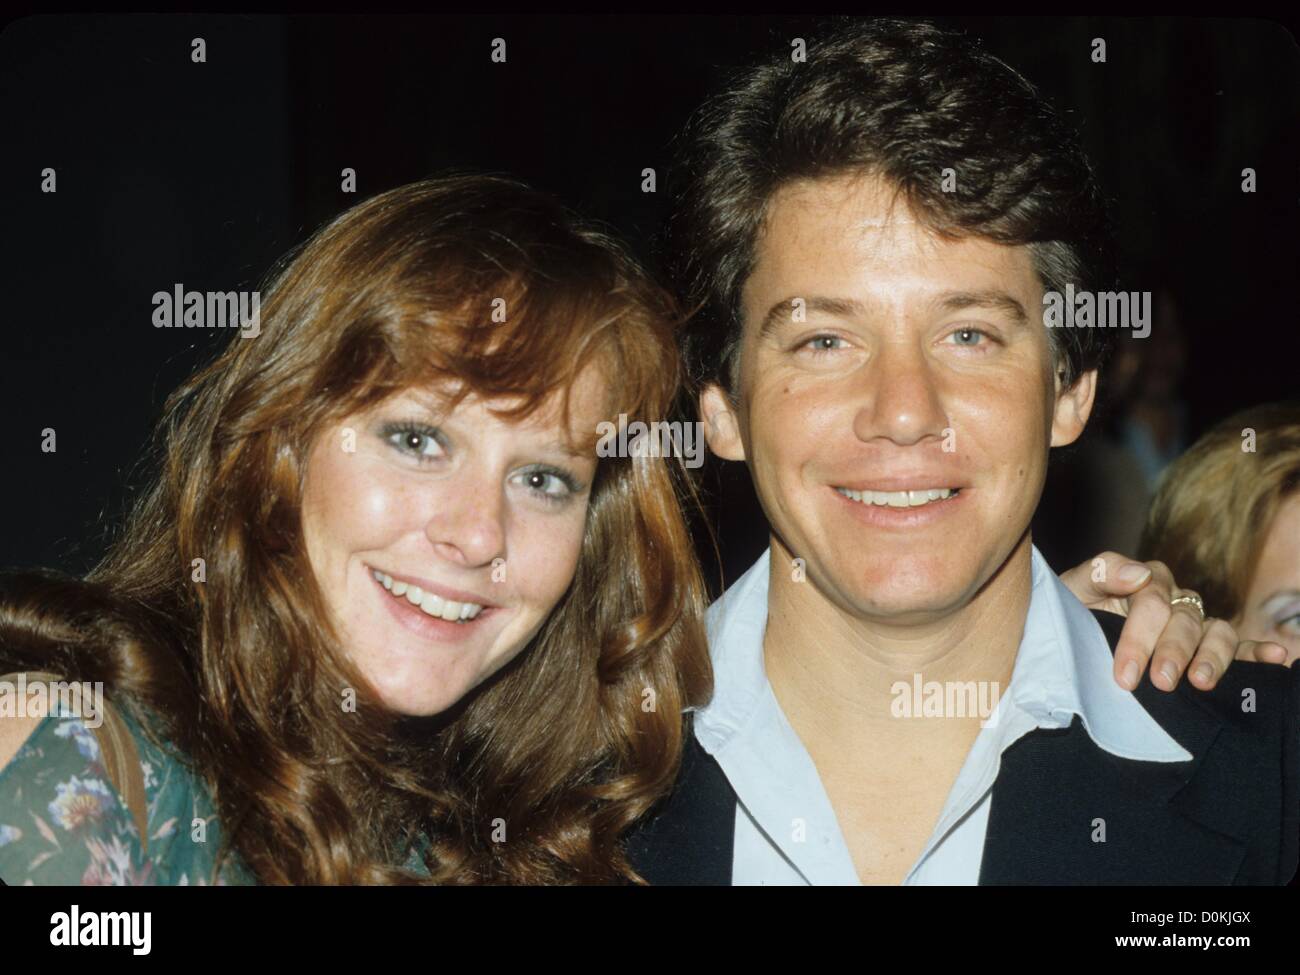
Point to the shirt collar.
(1067, 657)
(1064, 667)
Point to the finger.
(1149, 612)
(1215, 654)
(1261, 652)
(1102, 582)
(1177, 646)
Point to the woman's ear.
(721, 425)
(1073, 407)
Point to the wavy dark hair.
(902, 100)
(243, 671)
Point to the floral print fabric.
(63, 822)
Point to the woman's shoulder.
(72, 814)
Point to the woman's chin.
(419, 705)
(411, 691)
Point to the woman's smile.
(427, 614)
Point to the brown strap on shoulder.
(119, 756)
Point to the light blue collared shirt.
(786, 830)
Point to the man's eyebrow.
(850, 307)
(988, 298)
(839, 307)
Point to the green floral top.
(62, 821)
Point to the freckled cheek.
(1006, 432)
(543, 557)
(793, 424)
(360, 506)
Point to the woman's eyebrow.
(1271, 603)
(561, 447)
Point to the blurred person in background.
(1226, 520)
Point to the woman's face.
(1271, 610)
(442, 543)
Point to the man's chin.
(904, 578)
(909, 597)
(904, 611)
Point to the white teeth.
(899, 499)
(430, 603)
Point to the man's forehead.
(869, 199)
(848, 236)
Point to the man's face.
(911, 364)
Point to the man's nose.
(901, 396)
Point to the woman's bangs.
(529, 343)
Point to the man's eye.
(822, 343)
(417, 440)
(969, 336)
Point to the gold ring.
(1192, 600)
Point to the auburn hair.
(1215, 504)
(571, 742)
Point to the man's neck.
(835, 674)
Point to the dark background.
(203, 174)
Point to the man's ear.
(721, 425)
(1073, 407)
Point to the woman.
(1227, 518)
(345, 541)
(385, 615)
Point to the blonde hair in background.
(1214, 505)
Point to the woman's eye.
(548, 484)
(418, 441)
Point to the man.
(869, 237)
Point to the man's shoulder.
(1243, 780)
(1256, 702)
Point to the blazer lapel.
(1065, 811)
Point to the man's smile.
(914, 508)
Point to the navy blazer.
(1231, 815)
